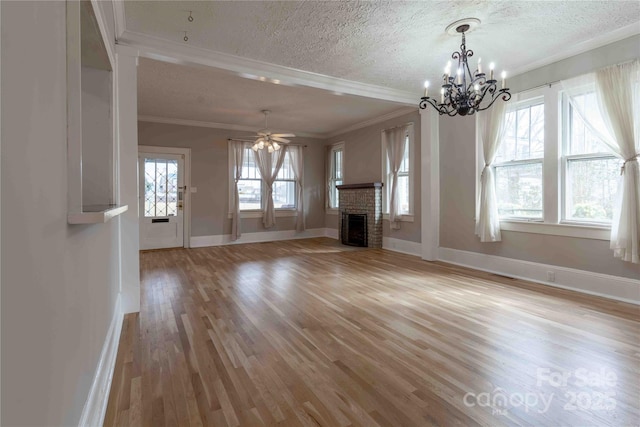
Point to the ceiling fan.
(271, 141)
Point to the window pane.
(403, 193)
(284, 194)
(404, 166)
(337, 169)
(160, 187)
(249, 168)
(581, 139)
(591, 188)
(519, 190)
(250, 192)
(524, 135)
(286, 171)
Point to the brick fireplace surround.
(363, 199)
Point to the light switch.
(194, 189)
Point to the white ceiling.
(205, 94)
(394, 45)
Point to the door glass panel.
(160, 187)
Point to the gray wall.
(458, 182)
(363, 163)
(210, 174)
(60, 282)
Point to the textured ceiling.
(395, 45)
(391, 44)
(205, 94)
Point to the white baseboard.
(402, 246)
(332, 233)
(264, 236)
(96, 405)
(613, 287)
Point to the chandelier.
(269, 140)
(464, 93)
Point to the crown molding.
(582, 47)
(373, 121)
(177, 53)
(226, 126)
(119, 18)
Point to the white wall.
(60, 283)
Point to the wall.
(210, 175)
(97, 137)
(458, 183)
(363, 163)
(59, 282)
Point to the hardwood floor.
(309, 332)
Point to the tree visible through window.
(518, 163)
(591, 171)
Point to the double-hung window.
(251, 187)
(553, 173)
(335, 174)
(405, 178)
(518, 164)
(284, 187)
(590, 171)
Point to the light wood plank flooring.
(309, 332)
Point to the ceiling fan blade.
(276, 138)
(284, 135)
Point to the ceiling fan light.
(270, 149)
(276, 146)
(260, 144)
(255, 147)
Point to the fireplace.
(361, 210)
(354, 229)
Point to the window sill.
(280, 213)
(403, 218)
(568, 230)
(332, 211)
(96, 214)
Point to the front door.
(161, 200)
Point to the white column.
(127, 114)
(430, 183)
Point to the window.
(251, 188)
(590, 170)
(284, 187)
(553, 174)
(336, 170)
(405, 177)
(518, 163)
(160, 187)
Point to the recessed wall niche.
(91, 120)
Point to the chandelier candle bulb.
(504, 79)
(442, 96)
(459, 76)
(479, 65)
(426, 88)
(491, 67)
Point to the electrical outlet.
(551, 276)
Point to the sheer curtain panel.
(491, 129)
(394, 147)
(269, 164)
(617, 125)
(237, 150)
(297, 163)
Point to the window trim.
(553, 170)
(338, 146)
(409, 216)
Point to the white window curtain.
(330, 174)
(394, 147)
(491, 130)
(237, 150)
(297, 164)
(617, 90)
(268, 165)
